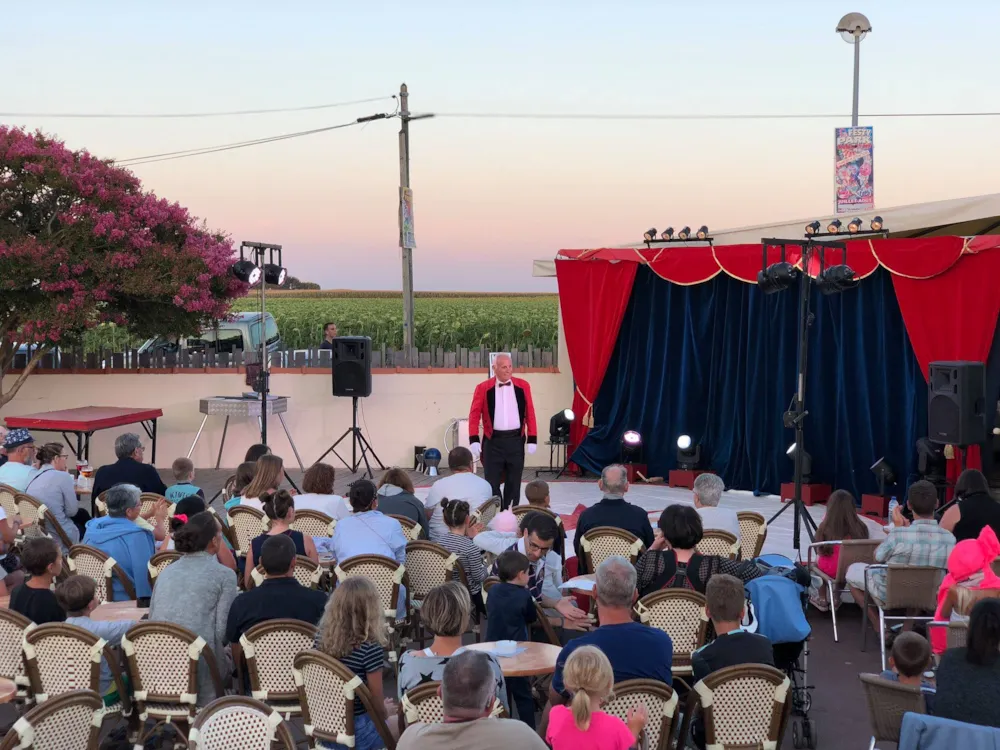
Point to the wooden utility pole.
(405, 206)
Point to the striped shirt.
(470, 556)
(923, 542)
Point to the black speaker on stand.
(352, 377)
(956, 403)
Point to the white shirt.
(461, 486)
(252, 502)
(506, 415)
(722, 519)
(333, 505)
(16, 475)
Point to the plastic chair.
(313, 523)
(660, 701)
(67, 721)
(851, 551)
(602, 542)
(238, 722)
(719, 543)
(269, 649)
(681, 614)
(753, 533)
(100, 567)
(907, 587)
(887, 702)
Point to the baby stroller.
(777, 609)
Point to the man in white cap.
(18, 471)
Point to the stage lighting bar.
(778, 276)
(669, 235)
(264, 261)
(833, 279)
(854, 228)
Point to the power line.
(179, 115)
(677, 116)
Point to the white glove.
(532, 447)
(476, 449)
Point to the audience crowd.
(510, 590)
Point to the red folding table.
(85, 421)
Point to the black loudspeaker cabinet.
(352, 366)
(956, 403)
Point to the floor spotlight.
(650, 234)
(836, 279)
(688, 455)
(667, 234)
(702, 232)
(813, 228)
(246, 271)
(274, 274)
(834, 226)
(876, 224)
(855, 226)
(631, 446)
(777, 277)
(884, 474)
(792, 451)
(559, 426)
(684, 234)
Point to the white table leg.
(197, 436)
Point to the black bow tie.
(504, 385)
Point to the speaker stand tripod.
(358, 439)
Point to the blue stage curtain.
(717, 361)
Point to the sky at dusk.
(490, 195)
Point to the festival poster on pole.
(406, 238)
(854, 177)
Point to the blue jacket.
(131, 547)
(920, 732)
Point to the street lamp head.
(854, 27)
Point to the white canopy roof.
(959, 216)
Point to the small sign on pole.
(854, 174)
(406, 238)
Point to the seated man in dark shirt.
(129, 468)
(280, 595)
(612, 510)
(726, 605)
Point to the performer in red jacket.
(508, 414)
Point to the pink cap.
(506, 522)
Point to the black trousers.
(503, 460)
(519, 694)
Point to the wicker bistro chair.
(327, 690)
(101, 505)
(487, 511)
(428, 565)
(423, 703)
(753, 533)
(95, 564)
(604, 541)
(307, 573)
(887, 702)
(158, 562)
(388, 576)
(246, 524)
(71, 720)
(13, 626)
(720, 543)
(163, 663)
(907, 587)
(520, 511)
(60, 658)
(313, 523)
(148, 501)
(745, 706)
(269, 649)
(8, 501)
(227, 532)
(32, 515)
(851, 551)
(681, 614)
(239, 722)
(661, 702)
(411, 529)
(229, 488)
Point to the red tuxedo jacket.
(484, 407)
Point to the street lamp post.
(853, 28)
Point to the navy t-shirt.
(510, 609)
(636, 651)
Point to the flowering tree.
(82, 244)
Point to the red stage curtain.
(593, 298)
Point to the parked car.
(240, 332)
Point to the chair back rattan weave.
(246, 524)
(70, 720)
(239, 722)
(681, 614)
(602, 542)
(753, 533)
(661, 704)
(744, 706)
(719, 543)
(313, 523)
(101, 568)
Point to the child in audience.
(909, 658)
(840, 522)
(537, 493)
(725, 601)
(245, 473)
(78, 596)
(34, 599)
(510, 611)
(183, 469)
(582, 725)
(353, 630)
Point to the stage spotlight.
(688, 457)
(884, 474)
(876, 224)
(559, 426)
(274, 274)
(650, 234)
(834, 226)
(631, 445)
(855, 226)
(813, 228)
(684, 234)
(836, 279)
(792, 452)
(246, 271)
(931, 463)
(777, 277)
(702, 232)
(667, 234)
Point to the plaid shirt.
(923, 542)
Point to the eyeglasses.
(532, 547)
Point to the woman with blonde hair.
(582, 725)
(353, 630)
(267, 478)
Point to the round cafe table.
(119, 611)
(8, 690)
(580, 584)
(537, 658)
